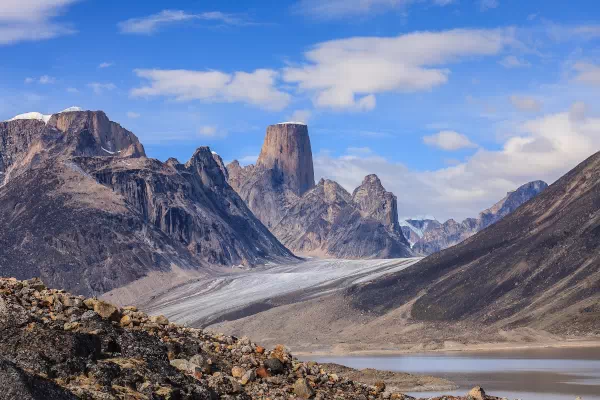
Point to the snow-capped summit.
(32, 115)
(71, 109)
(290, 123)
(43, 117)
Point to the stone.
(249, 376)
(302, 389)
(125, 320)
(477, 393)
(379, 387)
(262, 372)
(246, 349)
(280, 353)
(181, 364)
(90, 303)
(237, 372)
(160, 320)
(260, 349)
(274, 365)
(106, 310)
(69, 326)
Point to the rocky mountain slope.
(322, 220)
(531, 278)
(537, 267)
(84, 208)
(57, 346)
(429, 236)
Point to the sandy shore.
(455, 347)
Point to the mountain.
(84, 208)
(414, 228)
(328, 221)
(532, 278)
(434, 236)
(537, 267)
(323, 220)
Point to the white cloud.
(100, 88)
(348, 73)
(257, 88)
(106, 64)
(587, 73)
(449, 141)
(133, 115)
(300, 116)
(152, 23)
(246, 160)
(72, 90)
(29, 20)
(514, 62)
(485, 5)
(207, 130)
(344, 8)
(44, 80)
(526, 103)
(544, 148)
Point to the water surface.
(533, 374)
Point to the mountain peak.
(287, 150)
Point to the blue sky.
(451, 102)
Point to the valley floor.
(302, 306)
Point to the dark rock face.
(324, 220)
(537, 267)
(91, 219)
(287, 150)
(438, 236)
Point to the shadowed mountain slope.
(537, 267)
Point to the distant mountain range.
(428, 236)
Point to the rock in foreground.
(54, 345)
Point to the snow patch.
(33, 115)
(42, 117)
(291, 123)
(71, 109)
(111, 152)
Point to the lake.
(532, 374)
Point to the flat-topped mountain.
(85, 209)
(287, 150)
(322, 220)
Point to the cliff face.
(287, 150)
(437, 236)
(375, 202)
(92, 219)
(322, 220)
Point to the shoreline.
(475, 348)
